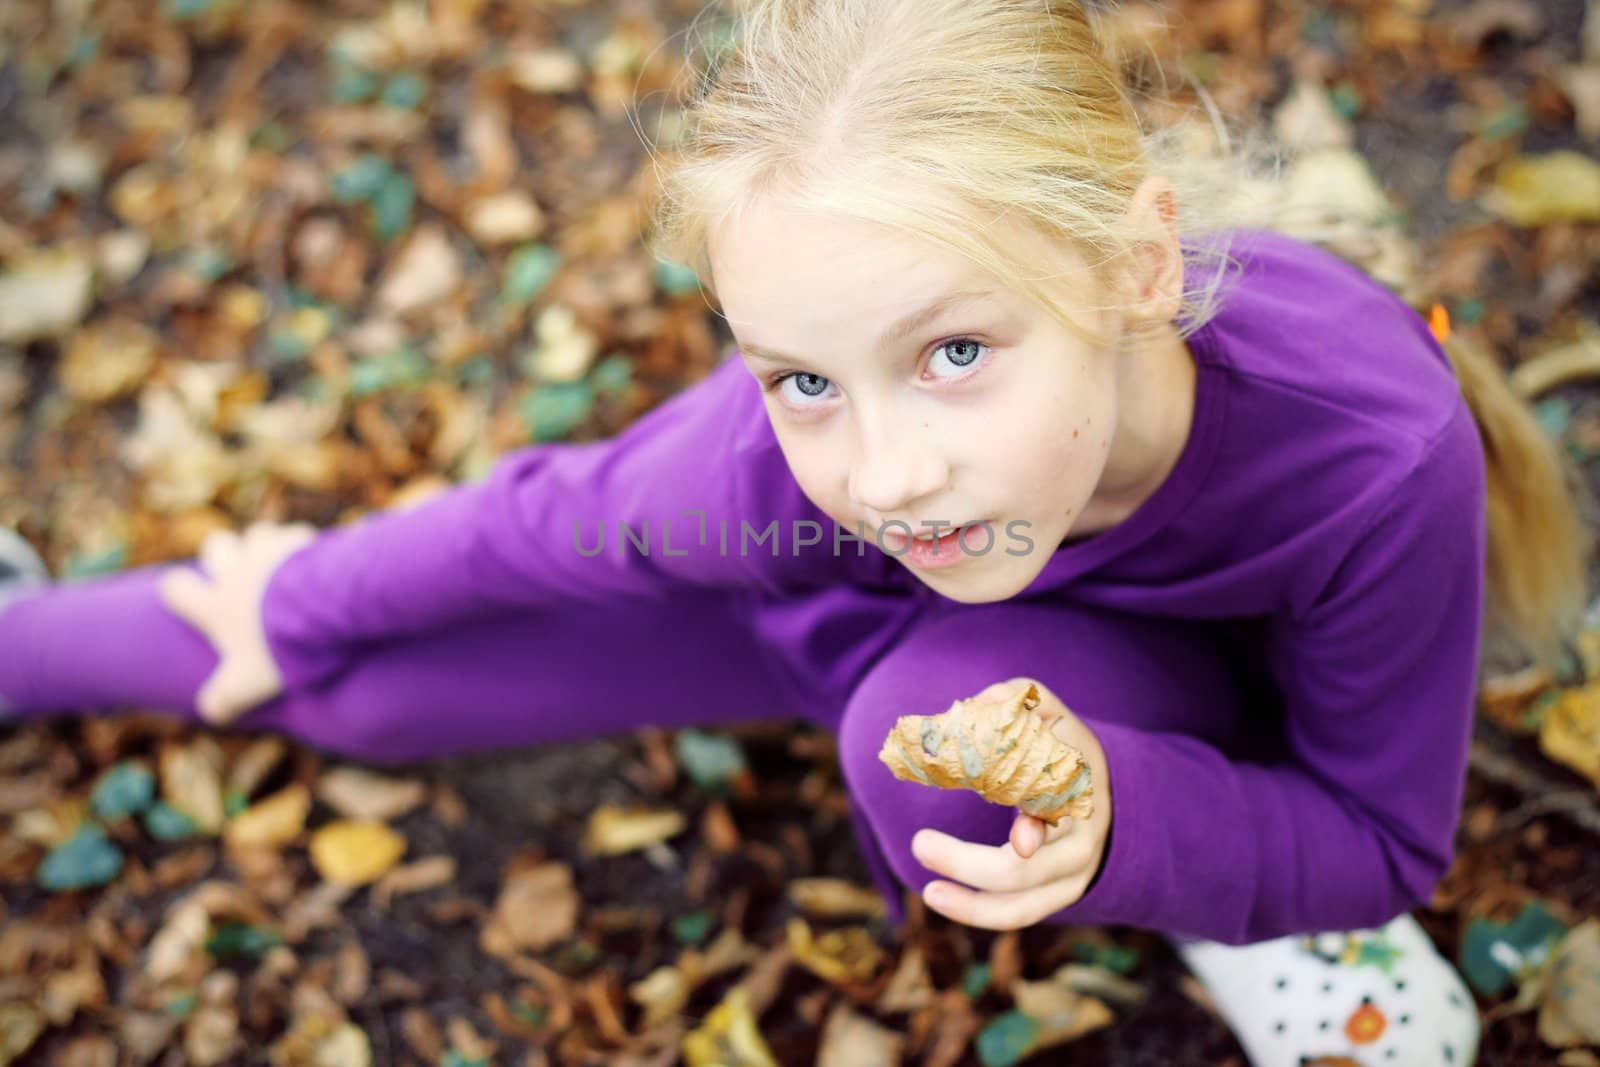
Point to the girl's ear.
(1155, 274)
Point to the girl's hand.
(1043, 868)
(227, 610)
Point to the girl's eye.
(806, 387)
(964, 352)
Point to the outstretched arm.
(527, 535)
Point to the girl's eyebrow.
(907, 325)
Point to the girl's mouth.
(965, 542)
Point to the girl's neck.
(1156, 394)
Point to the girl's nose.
(894, 469)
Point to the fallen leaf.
(430, 872)
(545, 70)
(1007, 1038)
(211, 1036)
(729, 1037)
(504, 218)
(361, 794)
(44, 297)
(20, 1027)
(1307, 120)
(126, 789)
(850, 1039)
(425, 270)
(845, 956)
(1569, 733)
(191, 782)
(1577, 361)
(612, 830)
(565, 350)
(835, 898)
(255, 763)
(537, 908)
(108, 359)
(271, 823)
(1569, 1013)
(1063, 1013)
(356, 851)
(1560, 186)
(910, 988)
(87, 858)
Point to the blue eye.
(968, 358)
(809, 385)
(812, 386)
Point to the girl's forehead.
(773, 249)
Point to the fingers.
(190, 597)
(1000, 868)
(226, 695)
(1001, 911)
(1027, 834)
(215, 701)
(220, 551)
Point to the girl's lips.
(897, 542)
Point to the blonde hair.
(945, 119)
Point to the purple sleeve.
(527, 535)
(1379, 681)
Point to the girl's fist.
(225, 606)
(1042, 868)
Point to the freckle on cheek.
(1074, 433)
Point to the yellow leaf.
(613, 831)
(662, 993)
(20, 1027)
(1562, 186)
(273, 822)
(845, 956)
(354, 852)
(729, 1037)
(105, 360)
(1570, 731)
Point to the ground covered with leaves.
(299, 261)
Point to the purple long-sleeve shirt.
(1328, 505)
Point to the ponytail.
(1538, 546)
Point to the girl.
(1225, 497)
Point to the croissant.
(1002, 749)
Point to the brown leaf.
(1000, 746)
(361, 794)
(1570, 1011)
(835, 898)
(847, 956)
(910, 988)
(537, 908)
(423, 874)
(849, 1038)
